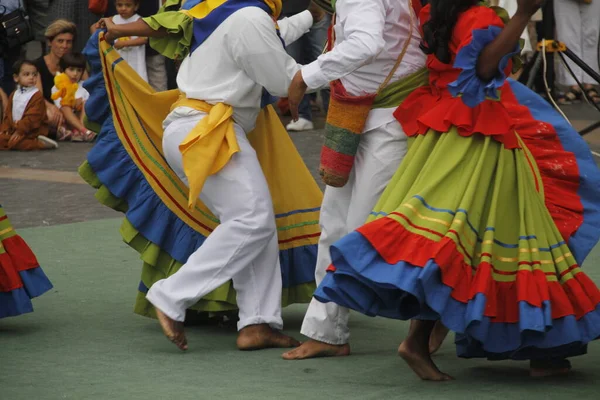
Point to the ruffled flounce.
(528, 319)
(21, 277)
(468, 103)
(570, 176)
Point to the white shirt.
(20, 100)
(81, 93)
(369, 37)
(134, 55)
(243, 55)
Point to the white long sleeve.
(258, 51)
(294, 27)
(369, 37)
(243, 55)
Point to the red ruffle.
(577, 296)
(558, 168)
(17, 257)
(430, 108)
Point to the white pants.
(242, 248)
(578, 27)
(345, 209)
(157, 72)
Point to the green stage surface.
(84, 342)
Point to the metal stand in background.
(531, 76)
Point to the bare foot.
(262, 336)
(421, 363)
(437, 337)
(314, 349)
(542, 369)
(172, 330)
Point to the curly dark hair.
(437, 32)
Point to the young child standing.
(132, 49)
(25, 124)
(70, 97)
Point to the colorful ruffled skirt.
(131, 175)
(21, 277)
(486, 239)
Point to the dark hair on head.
(75, 60)
(437, 32)
(135, 2)
(19, 64)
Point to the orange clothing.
(34, 123)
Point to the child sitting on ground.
(70, 96)
(132, 49)
(25, 123)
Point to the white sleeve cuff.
(313, 76)
(305, 20)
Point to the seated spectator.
(70, 96)
(79, 13)
(59, 37)
(25, 124)
(305, 50)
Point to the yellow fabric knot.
(209, 146)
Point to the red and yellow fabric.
(21, 277)
(487, 220)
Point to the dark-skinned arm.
(506, 41)
(137, 28)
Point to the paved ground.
(83, 342)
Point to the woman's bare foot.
(437, 337)
(546, 368)
(314, 349)
(262, 336)
(421, 363)
(173, 330)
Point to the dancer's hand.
(296, 92)
(112, 33)
(528, 7)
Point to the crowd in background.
(62, 28)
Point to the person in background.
(306, 50)
(132, 49)
(25, 124)
(60, 36)
(9, 56)
(70, 96)
(76, 11)
(38, 14)
(156, 64)
(578, 27)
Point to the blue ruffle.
(146, 212)
(15, 303)
(364, 282)
(588, 234)
(97, 108)
(469, 86)
(18, 301)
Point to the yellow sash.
(209, 145)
